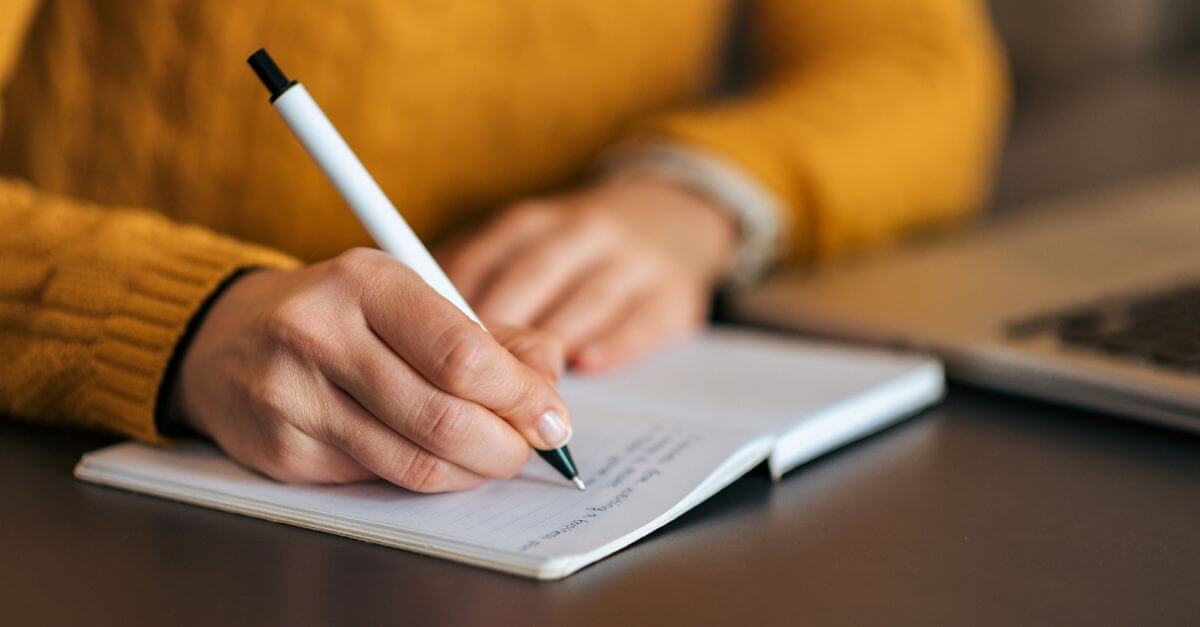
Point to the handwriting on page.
(620, 465)
(621, 475)
(637, 469)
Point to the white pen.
(368, 202)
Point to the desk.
(985, 510)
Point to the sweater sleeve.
(864, 117)
(94, 299)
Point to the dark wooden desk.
(986, 510)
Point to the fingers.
(460, 358)
(389, 455)
(535, 275)
(470, 263)
(292, 456)
(663, 317)
(584, 274)
(541, 351)
(597, 302)
(394, 394)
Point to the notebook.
(651, 441)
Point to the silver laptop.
(1091, 299)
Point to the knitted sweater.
(140, 165)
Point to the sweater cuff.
(164, 292)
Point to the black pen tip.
(560, 459)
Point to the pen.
(368, 202)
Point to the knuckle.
(529, 213)
(287, 458)
(323, 424)
(550, 346)
(271, 396)
(424, 473)
(357, 259)
(593, 225)
(445, 423)
(538, 343)
(376, 373)
(356, 266)
(462, 352)
(296, 324)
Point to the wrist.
(684, 227)
(708, 228)
(762, 227)
(171, 417)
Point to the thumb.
(540, 351)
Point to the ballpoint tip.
(579, 483)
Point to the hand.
(612, 271)
(355, 368)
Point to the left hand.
(612, 271)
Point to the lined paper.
(636, 467)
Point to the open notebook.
(651, 442)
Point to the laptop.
(1091, 299)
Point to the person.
(171, 262)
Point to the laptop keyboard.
(1161, 327)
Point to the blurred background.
(1105, 90)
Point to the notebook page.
(637, 469)
(756, 381)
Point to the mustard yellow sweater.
(140, 164)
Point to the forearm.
(865, 121)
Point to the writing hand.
(355, 368)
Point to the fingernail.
(554, 431)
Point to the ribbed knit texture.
(128, 120)
(86, 338)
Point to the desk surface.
(985, 510)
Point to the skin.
(612, 271)
(354, 368)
